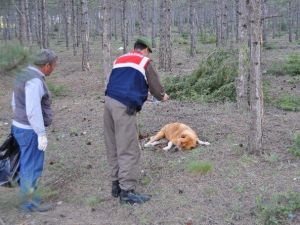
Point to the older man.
(31, 103)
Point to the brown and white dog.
(178, 134)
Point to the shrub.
(279, 208)
(289, 102)
(57, 90)
(213, 81)
(205, 38)
(295, 149)
(13, 56)
(199, 167)
(269, 45)
(291, 66)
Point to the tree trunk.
(22, 21)
(154, 21)
(106, 49)
(165, 45)
(242, 80)
(28, 23)
(193, 27)
(218, 15)
(73, 27)
(66, 7)
(124, 28)
(264, 21)
(256, 95)
(44, 33)
(85, 35)
(237, 18)
(142, 18)
(297, 21)
(290, 20)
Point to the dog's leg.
(203, 142)
(169, 146)
(148, 144)
(154, 140)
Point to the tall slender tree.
(85, 35)
(193, 27)
(256, 94)
(106, 46)
(242, 80)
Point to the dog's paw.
(166, 148)
(203, 142)
(147, 145)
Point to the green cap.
(144, 41)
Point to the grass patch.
(213, 81)
(295, 149)
(271, 158)
(48, 193)
(279, 209)
(199, 167)
(145, 180)
(294, 80)
(93, 201)
(266, 92)
(205, 38)
(290, 66)
(57, 90)
(288, 102)
(269, 45)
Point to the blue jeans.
(31, 165)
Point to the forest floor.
(76, 175)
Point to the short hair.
(44, 57)
(139, 46)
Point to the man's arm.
(34, 92)
(156, 89)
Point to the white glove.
(42, 142)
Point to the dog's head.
(187, 140)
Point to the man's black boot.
(115, 189)
(130, 197)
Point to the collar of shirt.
(37, 70)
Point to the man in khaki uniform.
(127, 89)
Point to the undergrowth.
(13, 56)
(279, 209)
(295, 149)
(288, 102)
(213, 81)
(291, 66)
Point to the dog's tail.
(203, 142)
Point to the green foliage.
(266, 92)
(93, 201)
(269, 45)
(295, 149)
(205, 38)
(288, 102)
(199, 167)
(279, 208)
(213, 81)
(13, 56)
(291, 66)
(57, 90)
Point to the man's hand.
(42, 142)
(165, 98)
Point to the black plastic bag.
(9, 162)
